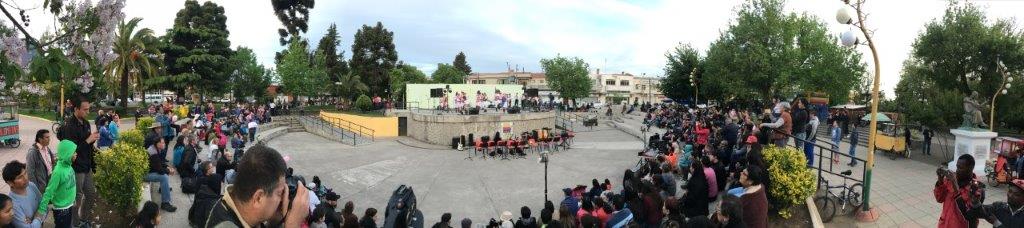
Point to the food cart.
(889, 137)
(9, 135)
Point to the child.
(149, 216)
(24, 194)
(60, 191)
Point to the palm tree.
(137, 57)
(351, 85)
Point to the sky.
(610, 35)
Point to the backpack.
(190, 185)
(202, 204)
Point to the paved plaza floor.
(481, 189)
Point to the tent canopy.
(881, 118)
(848, 106)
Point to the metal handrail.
(323, 126)
(348, 125)
(820, 153)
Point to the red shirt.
(951, 215)
(702, 135)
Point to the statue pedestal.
(975, 143)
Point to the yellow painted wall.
(382, 126)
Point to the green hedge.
(133, 137)
(119, 174)
(363, 103)
(144, 123)
(791, 182)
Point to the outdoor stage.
(439, 128)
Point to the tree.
(299, 76)
(567, 76)
(351, 85)
(333, 61)
(196, 51)
(460, 63)
(683, 61)
(138, 58)
(448, 74)
(294, 14)
(768, 52)
(373, 57)
(956, 55)
(250, 78)
(402, 75)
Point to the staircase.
(292, 123)
(317, 126)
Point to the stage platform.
(440, 127)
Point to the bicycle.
(826, 204)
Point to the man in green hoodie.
(61, 191)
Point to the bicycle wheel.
(826, 207)
(55, 127)
(853, 195)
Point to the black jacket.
(157, 164)
(77, 130)
(222, 214)
(800, 119)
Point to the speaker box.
(436, 92)
(455, 143)
(513, 110)
(474, 111)
(532, 92)
(462, 140)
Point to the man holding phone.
(958, 192)
(78, 130)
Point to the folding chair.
(556, 142)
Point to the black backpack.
(190, 185)
(201, 205)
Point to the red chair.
(532, 143)
(478, 146)
(571, 136)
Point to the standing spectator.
(844, 121)
(78, 131)
(570, 202)
(60, 191)
(800, 118)
(812, 136)
(783, 125)
(40, 159)
(166, 125)
(854, 137)
(369, 219)
(158, 172)
(926, 146)
(24, 194)
(252, 129)
(906, 137)
(114, 126)
(956, 191)
(837, 137)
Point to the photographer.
(1007, 214)
(958, 191)
(260, 196)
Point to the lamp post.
(1004, 87)
(849, 38)
(544, 159)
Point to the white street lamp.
(843, 16)
(849, 38)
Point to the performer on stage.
(444, 100)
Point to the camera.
(293, 183)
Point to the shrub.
(143, 124)
(133, 137)
(363, 103)
(791, 182)
(119, 173)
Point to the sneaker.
(168, 207)
(84, 224)
(852, 163)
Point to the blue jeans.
(165, 185)
(853, 151)
(797, 139)
(62, 217)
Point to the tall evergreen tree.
(250, 77)
(448, 74)
(373, 57)
(196, 51)
(460, 63)
(333, 60)
(294, 14)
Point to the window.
(609, 82)
(477, 82)
(624, 83)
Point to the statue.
(972, 112)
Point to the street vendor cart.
(9, 134)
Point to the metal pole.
(866, 211)
(546, 181)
